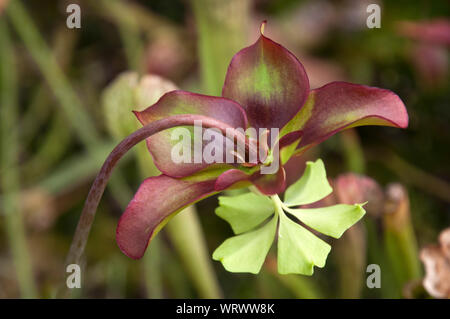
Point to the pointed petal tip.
(403, 121)
(268, 81)
(137, 114)
(262, 26)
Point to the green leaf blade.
(244, 212)
(311, 187)
(247, 252)
(333, 220)
(299, 250)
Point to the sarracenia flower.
(265, 88)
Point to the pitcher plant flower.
(267, 89)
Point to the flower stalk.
(98, 187)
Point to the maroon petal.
(295, 168)
(231, 178)
(156, 201)
(268, 184)
(340, 105)
(290, 138)
(268, 82)
(288, 145)
(181, 102)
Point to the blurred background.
(66, 97)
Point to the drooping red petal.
(268, 184)
(288, 145)
(157, 199)
(181, 102)
(340, 105)
(230, 178)
(268, 82)
(290, 138)
(295, 168)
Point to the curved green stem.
(99, 185)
